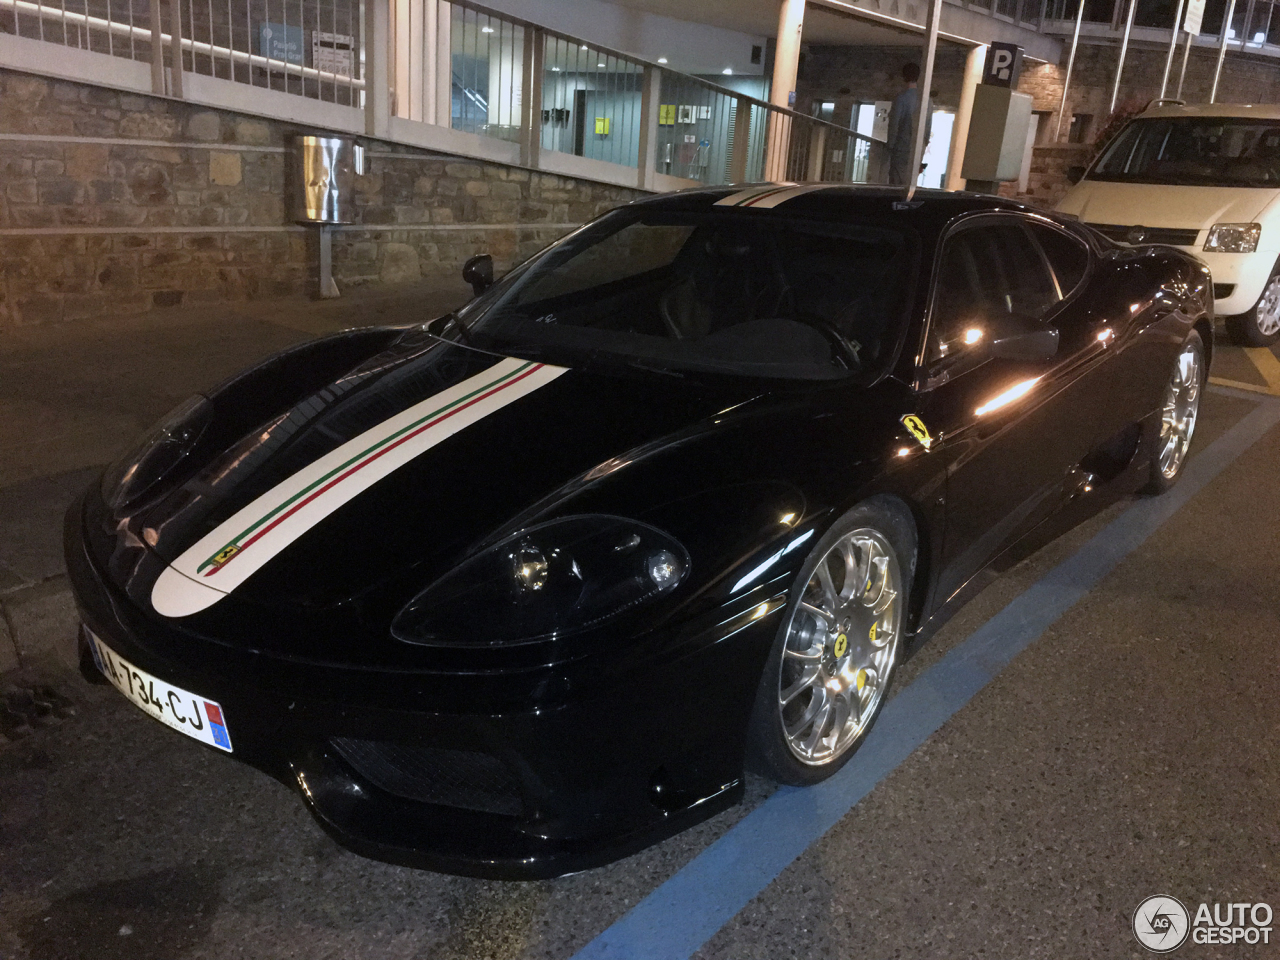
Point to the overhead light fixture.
(662, 59)
(727, 71)
(600, 64)
(486, 29)
(555, 69)
(583, 47)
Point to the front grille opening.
(1174, 236)
(1223, 290)
(452, 778)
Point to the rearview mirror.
(478, 271)
(1031, 345)
(1075, 174)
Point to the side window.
(1068, 257)
(991, 276)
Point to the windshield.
(1194, 151)
(713, 290)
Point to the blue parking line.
(693, 905)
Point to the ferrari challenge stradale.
(526, 588)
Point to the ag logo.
(842, 646)
(1161, 923)
(915, 426)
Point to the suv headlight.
(131, 477)
(1233, 238)
(552, 580)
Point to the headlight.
(130, 477)
(1233, 238)
(552, 580)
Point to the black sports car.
(523, 589)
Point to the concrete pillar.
(444, 65)
(786, 61)
(431, 54)
(377, 82)
(960, 131)
(650, 100)
(402, 43)
(531, 96)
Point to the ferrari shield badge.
(915, 426)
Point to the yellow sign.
(667, 115)
(842, 646)
(602, 126)
(915, 426)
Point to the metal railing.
(470, 69)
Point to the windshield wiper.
(463, 329)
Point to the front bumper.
(1246, 273)
(580, 781)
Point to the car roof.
(928, 209)
(1172, 108)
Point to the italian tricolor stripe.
(228, 555)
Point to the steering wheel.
(846, 349)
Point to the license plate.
(181, 709)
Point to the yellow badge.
(223, 555)
(842, 646)
(872, 635)
(861, 680)
(915, 426)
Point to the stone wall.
(114, 203)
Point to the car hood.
(1159, 205)
(396, 468)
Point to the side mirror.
(1075, 174)
(478, 271)
(1032, 345)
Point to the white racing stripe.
(766, 198)
(243, 544)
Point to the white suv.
(1205, 178)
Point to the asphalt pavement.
(1129, 750)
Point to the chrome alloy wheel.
(841, 645)
(1181, 406)
(1268, 310)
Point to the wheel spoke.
(810, 673)
(826, 617)
(812, 655)
(828, 588)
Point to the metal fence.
(119, 28)
(310, 48)
(471, 69)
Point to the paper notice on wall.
(333, 52)
(1195, 14)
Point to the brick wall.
(114, 203)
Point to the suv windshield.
(713, 289)
(1194, 151)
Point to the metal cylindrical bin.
(327, 168)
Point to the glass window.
(1193, 151)
(991, 279)
(1067, 255)
(713, 289)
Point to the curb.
(38, 625)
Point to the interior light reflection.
(1006, 398)
(972, 335)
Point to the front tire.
(1178, 415)
(833, 659)
(1259, 327)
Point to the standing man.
(902, 127)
